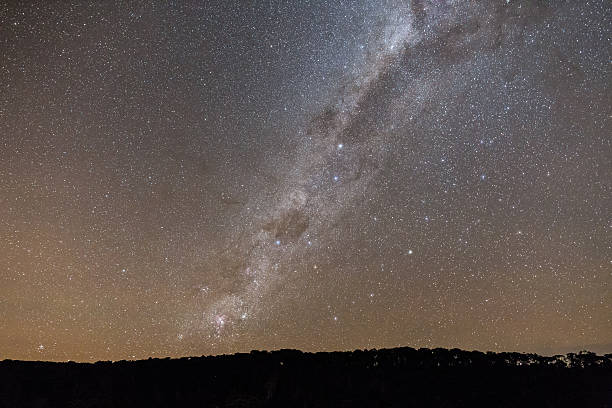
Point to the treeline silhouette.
(400, 377)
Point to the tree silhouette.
(387, 377)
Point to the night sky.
(199, 177)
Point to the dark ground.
(401, 377)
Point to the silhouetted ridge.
(289, 378)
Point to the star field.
(215, 177)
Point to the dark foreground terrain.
(402, 377)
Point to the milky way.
(201, 179)
(332, 170)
